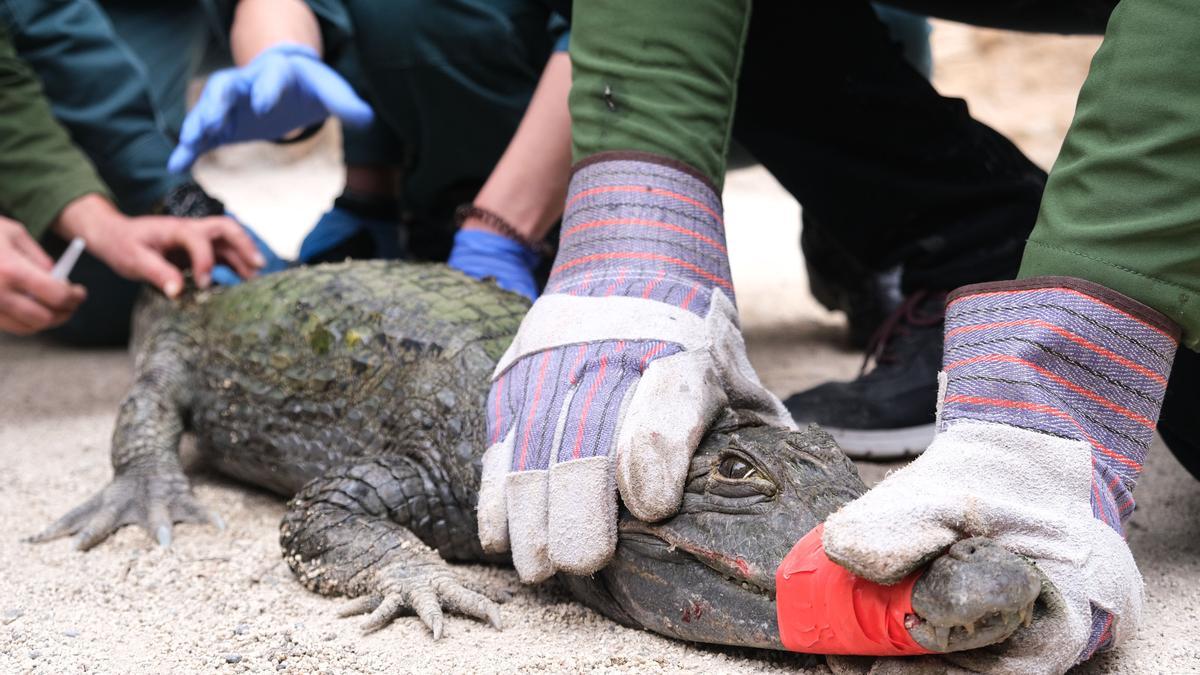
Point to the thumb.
(675, 402)
(893, 529)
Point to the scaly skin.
(357, 390)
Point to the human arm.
(261, 24)
(279, 86)
(1053, 384)
(639, 306)
(526, 189)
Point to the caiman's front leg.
(348, 533)
(148, 486)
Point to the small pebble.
(233, 658)
(329, 636)
(241, 629)
(11, 615)
(281, 666)
(71, 632)
(34, 654)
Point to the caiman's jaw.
(677, 591)
(651, 540)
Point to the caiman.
(357, 390)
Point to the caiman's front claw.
(152, 500)
(424, 590)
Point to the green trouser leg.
(1122, 205)
(657, 76)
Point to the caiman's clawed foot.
(975, 595)
(404, 588)
(153, 499)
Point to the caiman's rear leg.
(148, 487)
(362, 531)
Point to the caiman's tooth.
(1027, 616)
(943, 636)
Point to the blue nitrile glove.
(339, 225)
(482, 254)
(223, 275)
(286, 87)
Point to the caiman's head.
(708, 574)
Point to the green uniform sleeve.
(40, 171)
(1122, 205)
(658, 77)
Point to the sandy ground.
(224, 602)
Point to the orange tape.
(823, 609)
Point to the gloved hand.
(616, 372)
(356, 227)
(1050, 391)
(286, 87)
(225, 275)
(481, 254)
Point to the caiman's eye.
(735, 468)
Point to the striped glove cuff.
(1064, 357)
(637, 225)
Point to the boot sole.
(882, 444)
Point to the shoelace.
(900, 322)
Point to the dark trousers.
(887, 170)
(449, 82)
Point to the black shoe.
(841, 283)
(888, 412)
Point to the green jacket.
(41, 171)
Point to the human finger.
(25, 316)
(26, 245)
(55, 295)
(232, 236)
(150, 266)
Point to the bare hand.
(138, 248)
(30, 299)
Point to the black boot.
(887, 412)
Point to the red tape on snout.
(824, 609)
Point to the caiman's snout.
(977, 594)
(673, 591)
(708, 574)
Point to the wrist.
(87, 217)
(475, 217)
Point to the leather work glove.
(284, 88)
(481, 255)
(1051, 387)
(617, 371)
